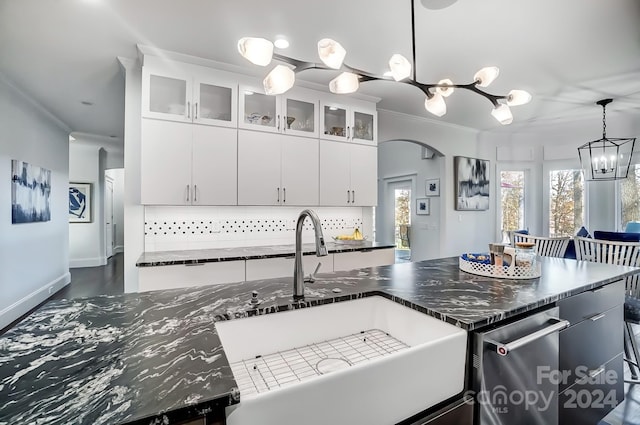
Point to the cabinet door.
(166, 96)
(165, 169)
(215, 102)
(364, 175)
(215, 166)
(300, 178)
(362, 259)
(364, 127)
(182, 276)
(334, 121)
(259, 111)
(258, 168)
(334, 173)
(300, 116)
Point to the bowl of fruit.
(354, 238)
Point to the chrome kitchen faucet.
(321, 251)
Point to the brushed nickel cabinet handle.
(278, 195)
(353, 196)
(348, 196)
(188, 109)
(284, 194)
(278, 120)
(195, 193)
(195, 115)
(188, 190)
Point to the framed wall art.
(432, 187)
(30, 192)
(80, 203)
(471, 183)
(423, 206)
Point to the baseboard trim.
(24, 305)
(87, 262)
(118, 249)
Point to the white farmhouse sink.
(368, 361)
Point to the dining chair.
(545, 246)
(623, 254)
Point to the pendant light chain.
(604, 121)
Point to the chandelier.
(606, 158)
(282, 77)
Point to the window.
(630, 196)
(566, 202)
(402, 217)
(512, 200)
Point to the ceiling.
(567, 54)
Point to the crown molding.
(34, 103)
(428, 120)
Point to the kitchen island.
(156, 356)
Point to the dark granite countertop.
(156, 356)
(190, 256)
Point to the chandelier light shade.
(344, 83)
(279, 80)
(331, 53)
(436, 105)
(258, 51)
(606, 158)
(486, 76)
(503, 114)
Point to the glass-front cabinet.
(346, 123)
(294, 114)
(189, 96)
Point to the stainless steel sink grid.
(264, 373)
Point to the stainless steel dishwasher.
(515, 370)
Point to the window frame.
(559, 165)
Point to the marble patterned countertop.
(155, 357)
(190, 256)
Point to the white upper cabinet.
(348, 174)
(294, 113)
(188, 94)
(277, 170)
(186, 164)
(345, 123)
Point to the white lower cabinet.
(267, 268)
(192, 275)
(362, 259)
(181, 275)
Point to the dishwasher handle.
(504, 349)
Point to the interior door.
(108, 218)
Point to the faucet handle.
(312, 276)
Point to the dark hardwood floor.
(87, 282)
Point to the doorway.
(400, 197)
(109, 236)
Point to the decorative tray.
(350, 241)
(484, 268)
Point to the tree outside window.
(512, 200)
(402, 215)
(630, 196)
(566, 203)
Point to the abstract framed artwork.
(80, 202)
(432, 187)
(423, 206)
(30, 192)
(471, 183)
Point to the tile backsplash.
(177, 228)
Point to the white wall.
(86, 240)
(401, 160)
(133, 210)
(34, 257)
(550, 146)
(117, 175)
(460, 231)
